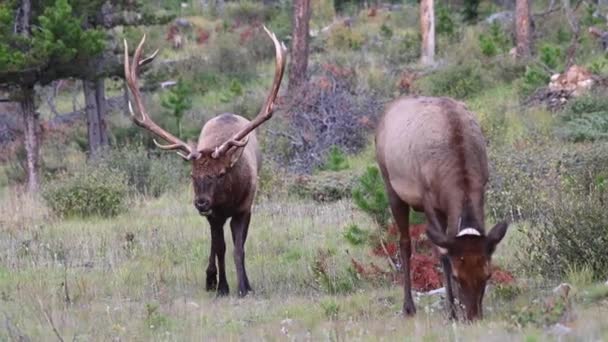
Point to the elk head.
(210, 166)
(469, 254)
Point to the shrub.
(259, 47)
(458, 81)
(345, 38)
(495, 42)
(355, 235)
(533, 78)
(330, 110)
(326, 186)
(585, 119)
(587, 127)
(90, 191)
(230, 59)
(370, 196)
(550, 55)
(330, 280)
(561, 192)
(402, 49)
(177, 102)
(336, 160)
(247, 12)
(146, 174)
(445, 23)
(386, 32)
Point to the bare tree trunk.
(95, 107)
(102, 110)
(427, 28)
(576, 30)
(28, 110)
(523, 28)
(30, 138)
(299, 46)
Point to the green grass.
(153, 287)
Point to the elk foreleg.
(211, 281)
(447, 281)
(218, 247)
(240, 225)
(447, 274)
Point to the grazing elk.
(432, 156)
(225, 166)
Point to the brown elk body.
(225, 165)
(431, 153)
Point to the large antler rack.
(143, 119)
(240, 138)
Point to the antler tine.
(143, 119)
(267, 109)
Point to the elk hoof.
(222, 290)
(409, 310)
(211, 282)
(244, 292)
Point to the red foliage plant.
(425, 268)
(202, 36)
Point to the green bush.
(370, 196)
(445, 22)
(585, 119)
(91, 191)
(550, 55)
(250, 12)
(495, 42)
(230, 59)
(401, 49)
(457, 81)
(345, 38)
(336, 160)
(587, 127)
(355, 235)
(533, 78)
(146, 174)
(259, 47)
(561, 192)
(177, 102)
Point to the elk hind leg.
(401, 213)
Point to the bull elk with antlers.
(432, 156)
(225, 165)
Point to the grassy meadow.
(112, 249)
(140, 276)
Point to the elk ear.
(496, 235)
(439, 238)
(234, 154)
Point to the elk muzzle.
(203, 205)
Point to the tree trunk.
(95, 108)
(102, 110)
(523, 28)
(24, 18)
(427, 28)
(299, 46)
(576, 30)
(31, 141)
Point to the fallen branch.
(388, 256)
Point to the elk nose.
(202, 204)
